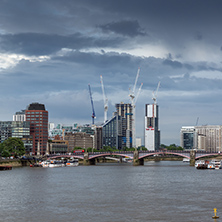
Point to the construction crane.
(155, 93)
(133, 98)
(93, 111)
(104, 99)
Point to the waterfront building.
(18, 129)
(79, 139)
(187, 137)
(152, 132)
(209, 137)
(38, 118)
(112, 133)
(58, 147)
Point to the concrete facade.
(152, 132)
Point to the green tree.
(12, 146)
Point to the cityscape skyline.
(51, 50)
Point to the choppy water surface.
(159, 191)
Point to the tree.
(12, 146)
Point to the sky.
(50, 50)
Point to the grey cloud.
(173, 64)
(125, 28)
(46, 44)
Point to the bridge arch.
(184, 155)
(66, 156)
(94, 156)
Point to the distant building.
(152, 132)
(209, 137)
(98, 138)
(206, 138)
(18, 129)
(112, 133)
(187, 137)
(38, 118)
(19, 116)
(125, 111)
(58, 146)
(138, 142)
(80, 139)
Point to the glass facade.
(18, 129)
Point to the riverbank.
(15, 162)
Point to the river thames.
(158, 191)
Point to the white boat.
(216, 163)
(45, 163)
(74, 162)
(186, 160)
(200, 164)
(210, 166)
(55, 163)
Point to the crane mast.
(93, 111)
(133, 99)
(104, 99)
(155, 93)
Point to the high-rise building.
(125, 111)
(152, 132)
(117, 132)
(38, 118)
(112, 133)
(187, 137)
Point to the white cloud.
(11, 60)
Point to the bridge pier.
(136, 160)
(192, 157)
(87, 162)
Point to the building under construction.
(117, 132)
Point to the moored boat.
(55, 163)
(201, 164)
(216, 163)
(74, 162)
(186, 160)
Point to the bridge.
(138, 156)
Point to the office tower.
(38, 118)
(187, 137)
(152, 133)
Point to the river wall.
(15, 162)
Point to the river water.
(158, 191)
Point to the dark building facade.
(117, 132)
(38, 118)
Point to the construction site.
(119, 131)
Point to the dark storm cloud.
(126, 28)
(46, 44)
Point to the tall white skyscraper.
(152, 133)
